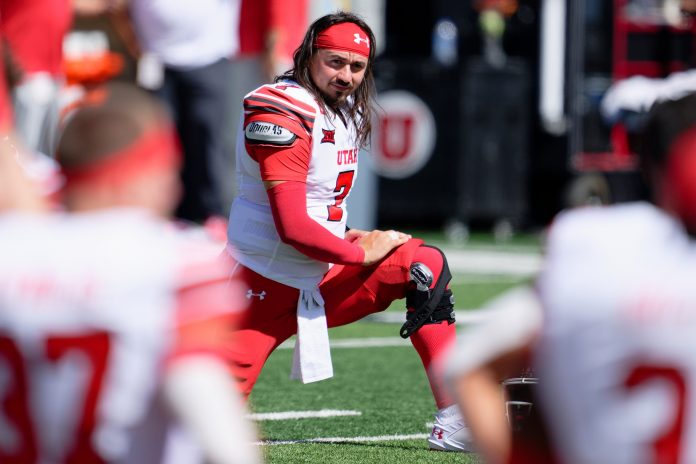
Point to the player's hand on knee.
(378, 243)
(355, 234)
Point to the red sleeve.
(204, 286)
(282, 163)
(296, 228)
(209, 302)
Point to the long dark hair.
(363, 96)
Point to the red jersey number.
(20, 444)
(667, 444)
(343, 184)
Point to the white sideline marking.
(474, 279)
(463, 316)
(370, 342)
(287, 415)
(493, 262)
(415, 436)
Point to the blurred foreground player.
(112, 321)
(610, 327)
(17, 191)
(297, 159)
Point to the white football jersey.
(274, 113)
(617, 354)
(89, 311)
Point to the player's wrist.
(362, 255)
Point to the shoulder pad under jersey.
(278, 103)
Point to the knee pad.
(430, 305)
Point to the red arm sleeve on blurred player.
(197, 384)
(296, 228)
(208, 302)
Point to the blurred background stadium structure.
(490, 108)
(516, 104)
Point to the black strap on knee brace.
(428, 302)
(444, 311)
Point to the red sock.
(432, 340)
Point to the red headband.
(348, 37)
(155, 149)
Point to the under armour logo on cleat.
(250, 294)
(437, 432)
(359, 39)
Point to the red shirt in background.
(258, 17)
(34, 31)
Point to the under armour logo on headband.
(346, 36)
(359, 39)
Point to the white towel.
(312, 357)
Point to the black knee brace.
(430, 305)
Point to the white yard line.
(294, 415)
(415, 436)
(463, 316)
(477, 279)
(370, 342)
(493, 262)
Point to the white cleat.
(449, 432)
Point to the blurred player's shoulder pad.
(608, 228)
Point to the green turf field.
(383, 388)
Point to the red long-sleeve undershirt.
(289, 207)
(288, 202)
